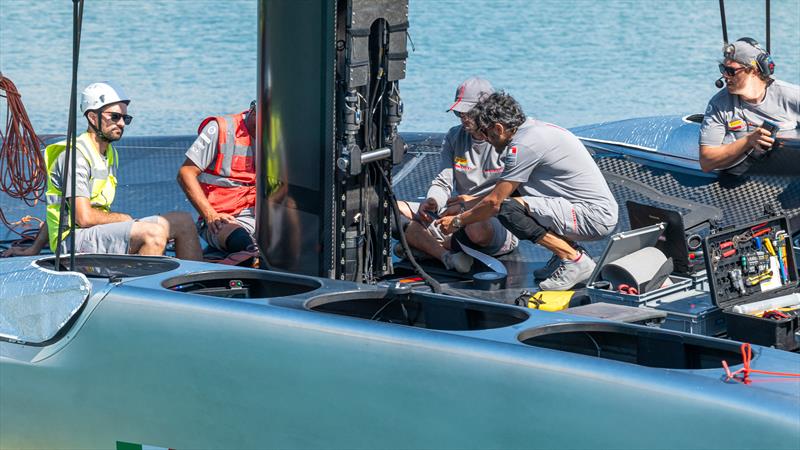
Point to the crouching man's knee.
(514, 217)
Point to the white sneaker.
(460, 261)
(569, 273)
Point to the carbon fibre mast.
(327, 134)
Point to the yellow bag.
(550, 300)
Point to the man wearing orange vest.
(219, 179)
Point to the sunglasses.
(730, 71)
(114, 117)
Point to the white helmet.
(97, 95)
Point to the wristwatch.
(456, 223)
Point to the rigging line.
(724, 24)
(74, 107)
(380, 310)
(70, 155)
(768, 22)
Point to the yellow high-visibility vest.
(102, 181)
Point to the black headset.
(764, 60)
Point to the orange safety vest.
(230, 181)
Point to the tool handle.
(769, 247)
(762, 232)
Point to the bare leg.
(224, 232)
(418, 237)
(180, 226)
(405, 210)
(147, 238)
(558, 245)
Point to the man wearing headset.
(219, 179)
(98, 229)
(738, 119)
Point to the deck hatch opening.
(642, 346)
(115, 266)
(241, 284)
(423, 310)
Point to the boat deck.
(149, 164)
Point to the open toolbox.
(632, 285)
(752, 277)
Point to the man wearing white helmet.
(98, 229)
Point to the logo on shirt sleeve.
(511, 157)
(736, 125)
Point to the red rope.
(746, 370)
(22, 166)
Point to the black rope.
(724, 24)
(435, 286)
(69, 161)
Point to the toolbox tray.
(695, 314)
(725, 293)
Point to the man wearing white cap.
(98, 229)
(551, 191)
(733, 127)
(468, 167)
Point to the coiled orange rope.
(22, 166)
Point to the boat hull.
(150, 364)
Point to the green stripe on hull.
(128, 446)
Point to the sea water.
(570, 62)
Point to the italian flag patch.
(130, 446)
(511, 157)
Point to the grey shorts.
(573, 221)
(109, 238)
(246, 219)
(502, 240)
